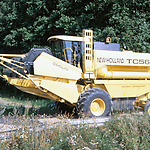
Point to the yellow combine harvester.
(93, 77)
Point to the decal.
(123, 61)
(60, 66)
(110, 60)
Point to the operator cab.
(70, 48)
(67, 48)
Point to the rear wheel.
(147, 108)
(94, 102)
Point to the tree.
(27, 23)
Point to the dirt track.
(14, 123)
(10, 124)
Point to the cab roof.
(65, 38)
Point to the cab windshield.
(69, 51)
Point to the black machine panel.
(28, 63)
(31, 56)
(106, 46)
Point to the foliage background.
(28, 23)
(25, 24)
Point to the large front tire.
(94, 102)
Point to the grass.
(13, 98)
(120, 132)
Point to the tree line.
(28, 23)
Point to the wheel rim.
(97, 107)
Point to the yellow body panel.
(36, 91)
(125, 88)
(47, 65)
(121, 65)
(20, 82)
(52, 89)
(66, 91)
(123, 58)
(26, 85)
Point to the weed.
(120, 132)
(14, 100)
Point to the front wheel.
(147, 108)
(94, 102)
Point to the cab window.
(69, 51)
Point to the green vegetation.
(120, 132)
(13, 99)
(25, 24)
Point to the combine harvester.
(93, 77)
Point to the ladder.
(88, 65)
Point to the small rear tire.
(147, 108)
(94, 102)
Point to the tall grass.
(128, 132)
(120, 132)
(13, 99)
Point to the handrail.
(13, 70)
(17, 61)
(10, 61)
(13, 55)
(65, 53)
(2, 76)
